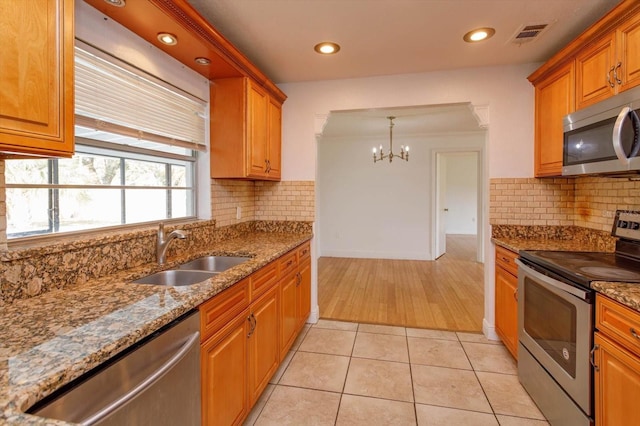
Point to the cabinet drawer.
(263, 279)
(288, 263)
(304, 252)
(220, 309)
(507, 260)
(619, 322)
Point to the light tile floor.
(340, 373)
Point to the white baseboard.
(489, 331)
(314, 316)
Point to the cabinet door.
(256, 131)
(289, 312)
(274, 120)
(628, 50)
(555, 98)
(507, 309)
(224, 374)
(36, 81)
(304, 293)
(264, 350)
(617, 384)
(594, 72)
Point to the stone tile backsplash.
(28, 271)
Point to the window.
(136, 144)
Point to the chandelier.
(404, 150)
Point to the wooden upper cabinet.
(595, 68)
(628, 49)
(36, 81)
(245, 130)
(555, 98)
(274, 137)
(610, 65)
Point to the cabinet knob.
(634, 333)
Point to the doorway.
(457, 201)
(375, 221)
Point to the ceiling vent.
(528, 33)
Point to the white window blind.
(111, 98)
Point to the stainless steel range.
(556, 320)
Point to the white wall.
(380, 210)
(461, 193)
(509, 151)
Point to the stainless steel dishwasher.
(156, 382)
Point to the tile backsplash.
(261, 200)
(589, 202)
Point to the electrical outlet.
(238, 212)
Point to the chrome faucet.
(162, 243)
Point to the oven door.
(555, 324)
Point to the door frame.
(435, 153)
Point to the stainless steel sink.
(176, 277)
(214, 263)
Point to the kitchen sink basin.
(176, 277)
(213, 263)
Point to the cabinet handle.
(298, 279)
(266, 166)
(615, 73)
(634, 333)
(252, 324)
(506, 259)
(515, 294)
(611, 83)
(592, 357)
(289, 263)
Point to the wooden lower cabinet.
(616, 360)
(617, 384)
(247, 330)
(264, 353)
(506, 291)
(289, 313)
(224, 374)
(304, 293)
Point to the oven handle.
(584, 295)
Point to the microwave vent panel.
(529, 32)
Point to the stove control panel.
(627, 225)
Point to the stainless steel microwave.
(604, 138)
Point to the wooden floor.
(446, 294)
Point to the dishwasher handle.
(146, 383)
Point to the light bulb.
(406, 148)
(374, 150)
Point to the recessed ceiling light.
(326, 48)
(168, 38)
(478, 34)
(202, 60)
(117, 3)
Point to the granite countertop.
(627, 294)
(520, 244)
(49, 340)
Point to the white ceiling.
(385, 37)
